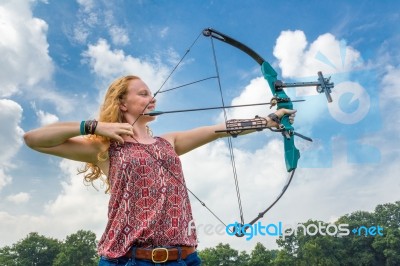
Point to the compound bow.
(280, 99)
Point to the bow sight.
(323, 85)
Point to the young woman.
(149, 209)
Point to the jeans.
(191, 260)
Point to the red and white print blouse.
(149, 204)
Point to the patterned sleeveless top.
(149, 204)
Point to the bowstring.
(152, 155)
(168, 77)
(230, 145)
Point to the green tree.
(7, 256)
(35, 250)
(260, 256)
(300, 248)
(388, 214)
(223, 255)
(358, 248)
(365, 248)
(388, 247)
(284, 258)
(79, 249)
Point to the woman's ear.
(123, 107)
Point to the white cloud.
(23, 47)
(289, 50)
(45, 118)
(257, 91)
(297, 58)
(390, 90)
(87, 5)
(77, 207)
(108, 64)
(4, 179)
(86, 19)
(164, 32)
(11, 136)
(87, 205)
(119, 36)
(90, 18)
(80, 34)
(25, 65)
(21, 197)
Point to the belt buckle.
(156, 250)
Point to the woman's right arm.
(64, 140)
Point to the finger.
(282, 112)
(126, 127)
(127, 130)
(119, 139)
(123, 131)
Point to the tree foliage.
(35, 249)
(32, 250)
(359, 247)
(78, 249)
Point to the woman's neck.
(141, 132)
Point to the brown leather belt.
(160, 255)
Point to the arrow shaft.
(210, 108)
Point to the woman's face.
(138, 99)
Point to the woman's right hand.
(114, 131)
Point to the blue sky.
(58, 57)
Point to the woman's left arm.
(186, 141)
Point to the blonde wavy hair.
(109, 112)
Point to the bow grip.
(292, 154)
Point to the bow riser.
(292, 154)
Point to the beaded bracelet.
(82, 128)
(88, 127)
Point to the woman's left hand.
(281, 112)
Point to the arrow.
(156, 113)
